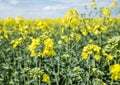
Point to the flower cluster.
(49, 48)
(16, 42)
(115, 70)
(89, 50)
(33, 45)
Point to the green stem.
(39, 74)
(111, 83)
(28, 64)
(15, 67)
(58, 65)
(36, 66)
(88, 71)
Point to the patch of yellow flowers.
(49, 48)
(33, 45)
(115, 70)
(16, 42)
(89, 50)
(46, 78)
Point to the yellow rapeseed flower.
(96, 48)
(77, 37)
(115, 76)
(97, 57)
(72, 34)
(60, 42)
(90, 41)
(16, 42)
(94, 69)
(46, 78)
(103, 83)
(84, 55)
(33, 45)
(33, 54)
(113, 4)
(49, 43)
(106, 11)
(110, 57)
(103, 28)
(5, 34)
(49, 48)
(89, 49)
(115, 70)
(89, 28)
(84, 32)
(93, 3)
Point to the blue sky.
(44, 8)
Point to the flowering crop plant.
(73, 50)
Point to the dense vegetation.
(64, 51)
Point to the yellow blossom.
(115, 70)
(1, 30)
(72, 34)
(33, 54)
(90, 52)
(62, 30)
(103, 28)
(113, 4)
(89, 49)
(36, 41)
(94, 69)
(96, 48)
(103, 83)
(110, 57)
(46, 78)
(115, 76)
(97, 57)
(96, 26)
(66, 38)
(33, 45)
(16, 42)
(84, 55)
(5, 34)
(96, 32)
(93, 3)
(89, 28)
(90, 41)
(60, 42)
(49, 52)
(77, 37)
(84, 32)
(49, 48)
(106, 11)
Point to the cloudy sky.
(44, 8)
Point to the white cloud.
(39, 8)
(53, 8)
